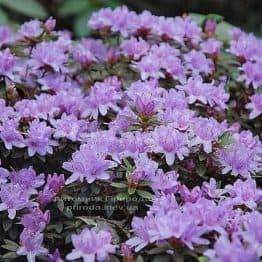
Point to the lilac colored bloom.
(197, 63)
(5, 35)
(87, 165)
(55, 257)
(7, 63)
(255, 106)
(36, 220)
(102, 97)
(210, 27)
(252, 74)
(68, 126)
(83, 55)
(170, 142)
(175, 99)
(165, 182)
(31, 29)
(238, 159)
(149, 67)
(190, 196)
(31, 244)
(206, 131)
(50, 24)
(13, 198)
(245, 193)
(4, 173)
(50, 55)
(246, 47)
(211, 46)
(91, 245)
(55, 82)
(27, 179)
(10, 135)
(134, 48)
(39, 139)
(231, 251)
(210, 189)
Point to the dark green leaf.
(70, 7)
(145, 194)
(223, 31)
(3, 17)
(119, 185)
(80, 25)
(31, 8)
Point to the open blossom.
(206, 131)
(245, 193)
(39, 139)
(50, 55)
(238, 159)
(4, 173)
(211, 46)
(134, 48)
(13, 198)
(36, 220)
(197, 63)
(91, 245)
(252, 74)
(68, 126)
(226, 250)
(7, 63)
(31, 29)
(10, 135)
(27, 179)
(31, 244)
(255, 106)
(102, 97)
(89, 166)
(5, 35)
(170, 142)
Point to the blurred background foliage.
(73, 14)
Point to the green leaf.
(7, 224)
(122, 196)
(202, 259)
(31, 8)
(198, 18)
(3, 17)
(226, 139)
(80, 25)
(223, 31)
(131, 190)
(70, 7)
(201, 170)
(119, 185)
(145, 194)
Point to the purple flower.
(255, 106)
(39, 139)
(55, 257)
(197, 63)
(190, 196)
(4, 173)
(68, 126)
(211, 46)
(170, 142)
(31, 244)
(165, 182)
(102, 97)
(50, 24)
(7, 63)
(210, 27)
(175, 99)
(31, 29)
(245, 193)
(5, 35)
(49, 55)
(88, 165)
(210, 189)
(134, 48)
(10, 135)
(36, 220)
(231, 251)
(206, 131)
(238, 159)
(13, 198)
(91, 245)
(27, 179)
(252, 74)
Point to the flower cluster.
(158, 118)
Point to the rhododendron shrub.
(139, 144)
